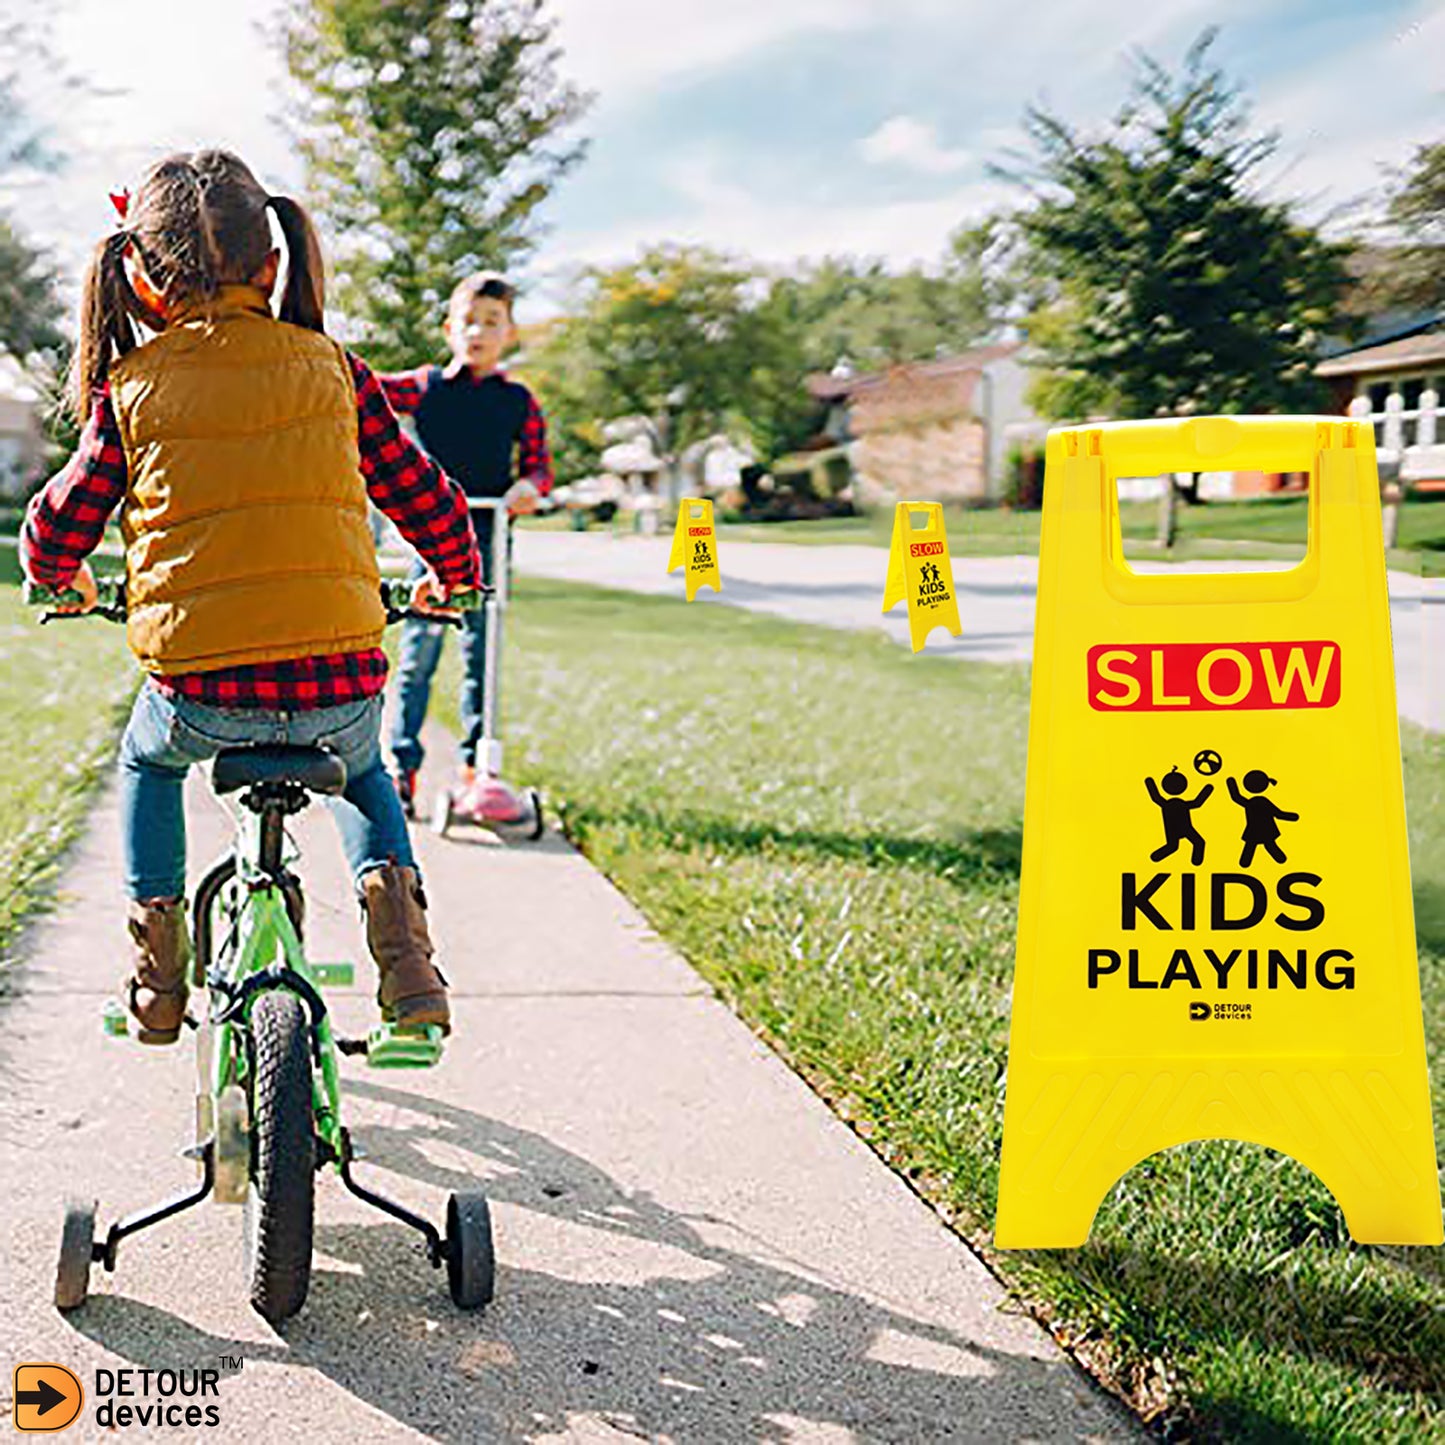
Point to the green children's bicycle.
(268, 1096)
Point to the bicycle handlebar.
(396, 597)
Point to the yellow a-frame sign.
(694, 546)
(919, 569)
(1216, 936)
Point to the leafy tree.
(861, 311)
(684, 336)
(1413, 272)
(30, 310)
(1179, 290)
(559, 371)
(431, 132)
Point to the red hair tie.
(121, 201)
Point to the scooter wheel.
(471, 1265)
(441, 813)
(539, 826)
(77, 1237)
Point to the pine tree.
(1181, 289)
(431, 132)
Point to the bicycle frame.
(262, 948)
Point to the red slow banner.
(1212, 676)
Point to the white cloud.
(1335, 149)
(911, 145)
(715, 210)
(622, 46)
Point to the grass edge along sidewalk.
(783, 803)
(66, 693)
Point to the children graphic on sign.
(1261, 817)
(1177, 812)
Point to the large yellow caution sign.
(1216, 936)
(920, 570)
(694, 546)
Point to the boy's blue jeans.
(421, 650)
(167, 734)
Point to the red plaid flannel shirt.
(405, 389)
(66, 519)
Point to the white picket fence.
(1413, 438)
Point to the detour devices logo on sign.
(1204, 675)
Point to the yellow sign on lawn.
(694, 545)
(919, 569)
(1216, 936)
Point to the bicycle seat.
(314, 769)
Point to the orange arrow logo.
(47, 1397)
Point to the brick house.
(927, 430)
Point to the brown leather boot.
(411, 990)
(156, 989)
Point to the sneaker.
(405, 783)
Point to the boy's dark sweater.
(484, 431)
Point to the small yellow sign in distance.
(694, 545)
(919, 569)
(1216, 935)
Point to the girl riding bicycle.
(242, 448)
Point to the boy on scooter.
(487, 431)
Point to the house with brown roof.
(927, 430)
(1397, 378)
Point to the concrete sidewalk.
(842, 586)
(691, 1246)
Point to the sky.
(779, 129)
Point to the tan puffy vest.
(245, 521)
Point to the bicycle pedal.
(390, 1047)
(334, 975)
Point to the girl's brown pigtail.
(303, 302)
(106, 331)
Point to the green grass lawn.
(1266, 528)
(848, 880)
(66, 691)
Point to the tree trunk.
(1167, 512)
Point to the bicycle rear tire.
(280, 1200)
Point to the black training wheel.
(280, 1201)
(77, 1237)
(471, 1266)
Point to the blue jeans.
(167, 734)
(421, 650)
